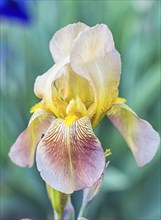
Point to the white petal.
(62, 41)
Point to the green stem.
(58, 201)
(83, 211)
(58, 216)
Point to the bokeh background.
(128, 192)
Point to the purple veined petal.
(23, 150)
(62, 41)
(95, 58)
(140, 136)
(70, 158)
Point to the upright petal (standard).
(62, 41)
(95, 58)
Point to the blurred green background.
(128, 192)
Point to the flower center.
(75, 110)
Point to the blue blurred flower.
(14, 9)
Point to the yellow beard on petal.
(70, 119)
(39, 105)
(119, 100)
(69, 112)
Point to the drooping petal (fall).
(70, 158)
(95, 58)
(23, 150)
(62, 41)
(142, 139)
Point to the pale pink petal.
(62, 41)
(142, 139)
(95, 58)
(70, 158)
(23, 150)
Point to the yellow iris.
(76, 93)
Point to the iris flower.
(76, 93)
(14, 9)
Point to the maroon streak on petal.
(23, 150)
(70, 158)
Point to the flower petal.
(70, 158)
(142, 139)
(44, 81)
(62, 41)
(70, 85)
(44, 87)
(95, 58)
(23, 150)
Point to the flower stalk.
(58, 201)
